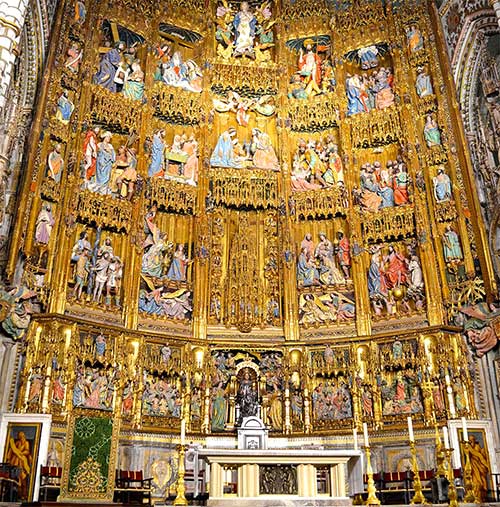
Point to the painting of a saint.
(21, 451)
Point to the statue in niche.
(105, 159)
(432, 134)
(415, 39)
(442, 186)
(451, 246)
(65, 108)
(174, 71)
(80, 12)
(157, 164)
(247, 398)
(244, 23)
(344, 254)
(55, 163)
(309, 69)
(90, 152)
(400, 181)
(218, 408)
(423, 84)
(244, 33)
(367, 402)
(74, 58)
(44, 224)
(415, 289)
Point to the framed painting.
(24, 443)
(482, 457)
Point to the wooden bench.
(132, 487)
(50, 482)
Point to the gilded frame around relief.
(88, 483)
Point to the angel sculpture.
(244, 33)
(243, 105)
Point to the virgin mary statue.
(244, 24)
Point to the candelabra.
(469, 496)
(180, 499)
(452, 490)
(440, 456)
(418, 497)
(372, 497)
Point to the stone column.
(11, 23)
(307, 482)
(216, 480)
(337, 479)
(248, 480)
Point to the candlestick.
(446, 437)
(464, 430)
(365, 434)
(440, 455)
(410, 430)
(180, 499)
(469, 496)
(355, 437)
(452, 490)
(183, 431)
(370, 484)
(418, 497)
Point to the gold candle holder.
(180, 499)
(440, 456)
(372, 496)
(418, 497)
(452, 490)
(469, 496)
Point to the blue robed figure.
(353, 90)
(106, 157)
(223, 154)
(105, 76)
(157, 161)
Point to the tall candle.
(365, 434)
(410, 429)
(355, 436)
(446, 438)
(183, 431)
(464, 429)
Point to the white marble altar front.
(344, 475)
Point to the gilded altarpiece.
(268, 194)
